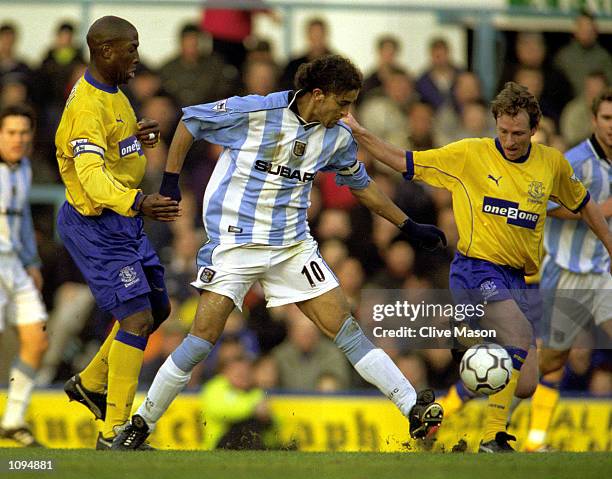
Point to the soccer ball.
(486, 368)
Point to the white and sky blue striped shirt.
(569, 243)
(16, 227)
(260, 189)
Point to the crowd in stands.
(279, 348)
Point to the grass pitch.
(89, 464)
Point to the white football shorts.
(20, 301)
(288, 274)
(580, 300)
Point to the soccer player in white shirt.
(21, 305)
(255, 216)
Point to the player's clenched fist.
(148, 132)
(160, 208)
(426, 236)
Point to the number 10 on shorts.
(313, 272)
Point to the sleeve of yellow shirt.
(568, 190)
(89, 146)
(101, 187)
(440, 167)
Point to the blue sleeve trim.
(134, 206)
(583, 202)
(409, 174)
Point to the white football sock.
(21, 384)
(378, 369)
(168, 383)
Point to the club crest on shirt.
(536, 192)
(207, 275)
(128, 276)
(299, 148)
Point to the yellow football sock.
(543, 404)
(452, 402)
(94, 377)
(498, 407)
(124, 363)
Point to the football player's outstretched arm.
(379, 149)
(379, 203)
(565, 214)
(426, 236)
(181, 142)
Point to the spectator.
(387, 47)
(236, 412)
(399, 262)
(307, 351)
(436, 84)
(422, 134)
(265, 374)
(56, 68)
(145, 84)
(259, 49)
(530, 50)
(316, 37)
(230, 29)
(576, 116)
(386, 114)
(467, 89)
(12, 69)
(475, 123)
(533, 79)
(584, 55)
(192, 77)
(260, 77)
(351, 277)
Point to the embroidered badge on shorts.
(128, 276)
(207, 275)
(488, 289)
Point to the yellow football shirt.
(499, 205)
(100, 159)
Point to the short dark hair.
(585, 13)
(8, 28)
(383, 40)
(18, 110)
(65, 26)
(330, 73)
(605, 95)
(316, 21)
(514, 98)
(437, 42)
(189, 28)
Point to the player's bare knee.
(206, 330)
(526, 388)
(140, 324)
